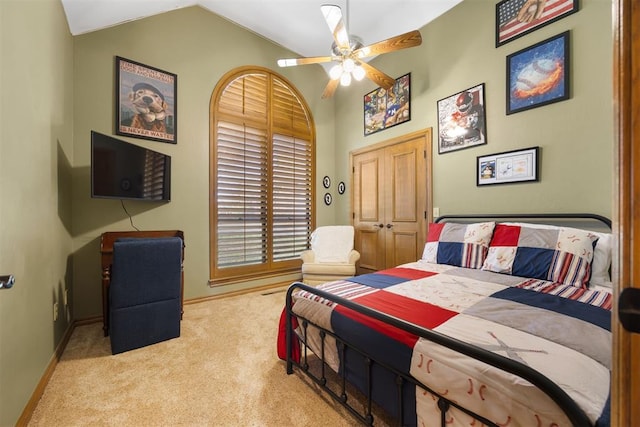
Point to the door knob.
(629, 309)
(389, 225)
(379, 225)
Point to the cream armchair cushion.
(331, 256)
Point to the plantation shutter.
(291, 180)
(242, 195)
(291, 174)
(262, 178)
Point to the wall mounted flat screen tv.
(121, 170)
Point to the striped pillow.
(462, 245)
(560, 255)
(596, 298)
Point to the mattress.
(561, 331)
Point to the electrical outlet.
(436, 212)
(55, 311)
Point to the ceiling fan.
(349, 52)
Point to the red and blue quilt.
(562, 331)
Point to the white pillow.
(602, 260)
(601, 255)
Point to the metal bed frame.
(574, 413)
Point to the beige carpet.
(222, 371)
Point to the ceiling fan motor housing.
(355, 42)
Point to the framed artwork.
(515, 18)
(461, 120)
(538, 75)
(386, 108)
(341, 187)
(327, 199)
(145, 102)
(326, 182)
(508, 167)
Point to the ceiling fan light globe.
(358, 73)
(348, 65)
(345, 79)
(335, 72)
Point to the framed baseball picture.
(461, 120)
(515, 18)
(386, 108)
(538, 75)
(508, 167)
(145, 102)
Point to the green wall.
(200, 48)
(36, 153)
(458, 51)
(57, 88)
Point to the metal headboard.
(569, 219)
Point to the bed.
(504, 321)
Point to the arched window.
(261, 176)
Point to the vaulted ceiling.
(297, 25)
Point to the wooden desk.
(106, 250)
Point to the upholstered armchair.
(145, 292)
(331, 256)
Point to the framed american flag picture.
(515, 18)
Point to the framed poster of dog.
(146, 102)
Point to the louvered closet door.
(391, 201)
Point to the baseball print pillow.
(462, 245)
(560, 255)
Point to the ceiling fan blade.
(378, 76)
(330, 88)
(333, 15)
(303, 61)
(403, 41)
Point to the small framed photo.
(538, 75)
(326, 182)
(508, 167)
(145, 102)
(341, 187)
(386, 108)
(515, 18)
(461, 120)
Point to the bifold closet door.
(390, 201)
(405, 202)
(369, 216)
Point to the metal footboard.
(574, 413)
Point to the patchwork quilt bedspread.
(561, 331)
